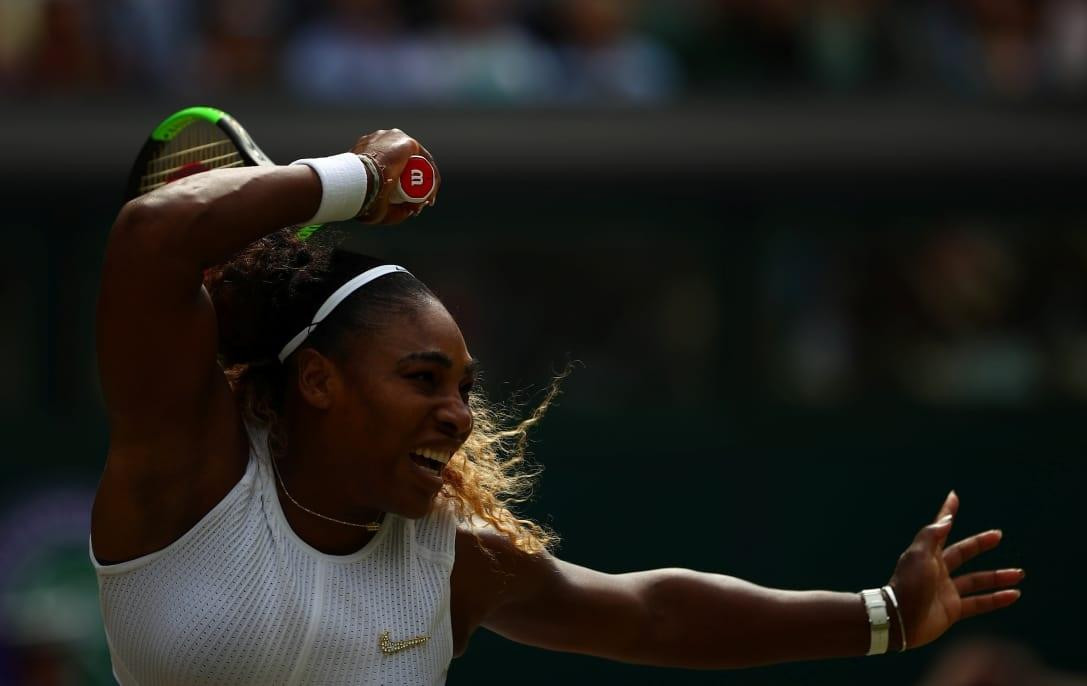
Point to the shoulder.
(486, 546)
(435, 532)
(491, 570)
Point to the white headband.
(335, 299)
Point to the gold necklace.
(369, 526)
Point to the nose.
(455, 418)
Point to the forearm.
(206, 218)
(712, 621)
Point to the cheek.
(391, 423)
(388, 415)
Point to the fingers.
(967, 549)
(980, 604)
(984, 581)
(933, 536)
(437, 176)
(950, 506)
(390, 149)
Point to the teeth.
(433, 455)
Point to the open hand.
(930, 599)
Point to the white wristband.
(343, 186)
(878, 621)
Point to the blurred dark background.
(816, 261)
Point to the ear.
(319, 381)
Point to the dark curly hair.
(270, 291)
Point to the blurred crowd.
(541, 51)
(958, 310)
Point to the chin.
(409, 508)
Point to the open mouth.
(430, 464)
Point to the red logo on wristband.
(417, 179)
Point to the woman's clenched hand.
(390, 150)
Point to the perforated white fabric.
(241, 599)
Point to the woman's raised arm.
(156, 329)
(176, 442)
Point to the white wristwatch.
(878, 620)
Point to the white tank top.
(241, 599)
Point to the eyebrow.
(441, 358)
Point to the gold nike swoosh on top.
(389, 646)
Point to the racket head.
(190, 141)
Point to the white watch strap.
(878, 620)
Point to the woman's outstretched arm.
(683, 618)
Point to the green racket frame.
(243, 152)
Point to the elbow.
(156, 224)
(684, 626)
(663, 625)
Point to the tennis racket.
(188, 142)
(197, 139)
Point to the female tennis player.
(303, 487)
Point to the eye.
(426, 377)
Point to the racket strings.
(160, 184)
(201, 144)
(212, 162)
(188, 154)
